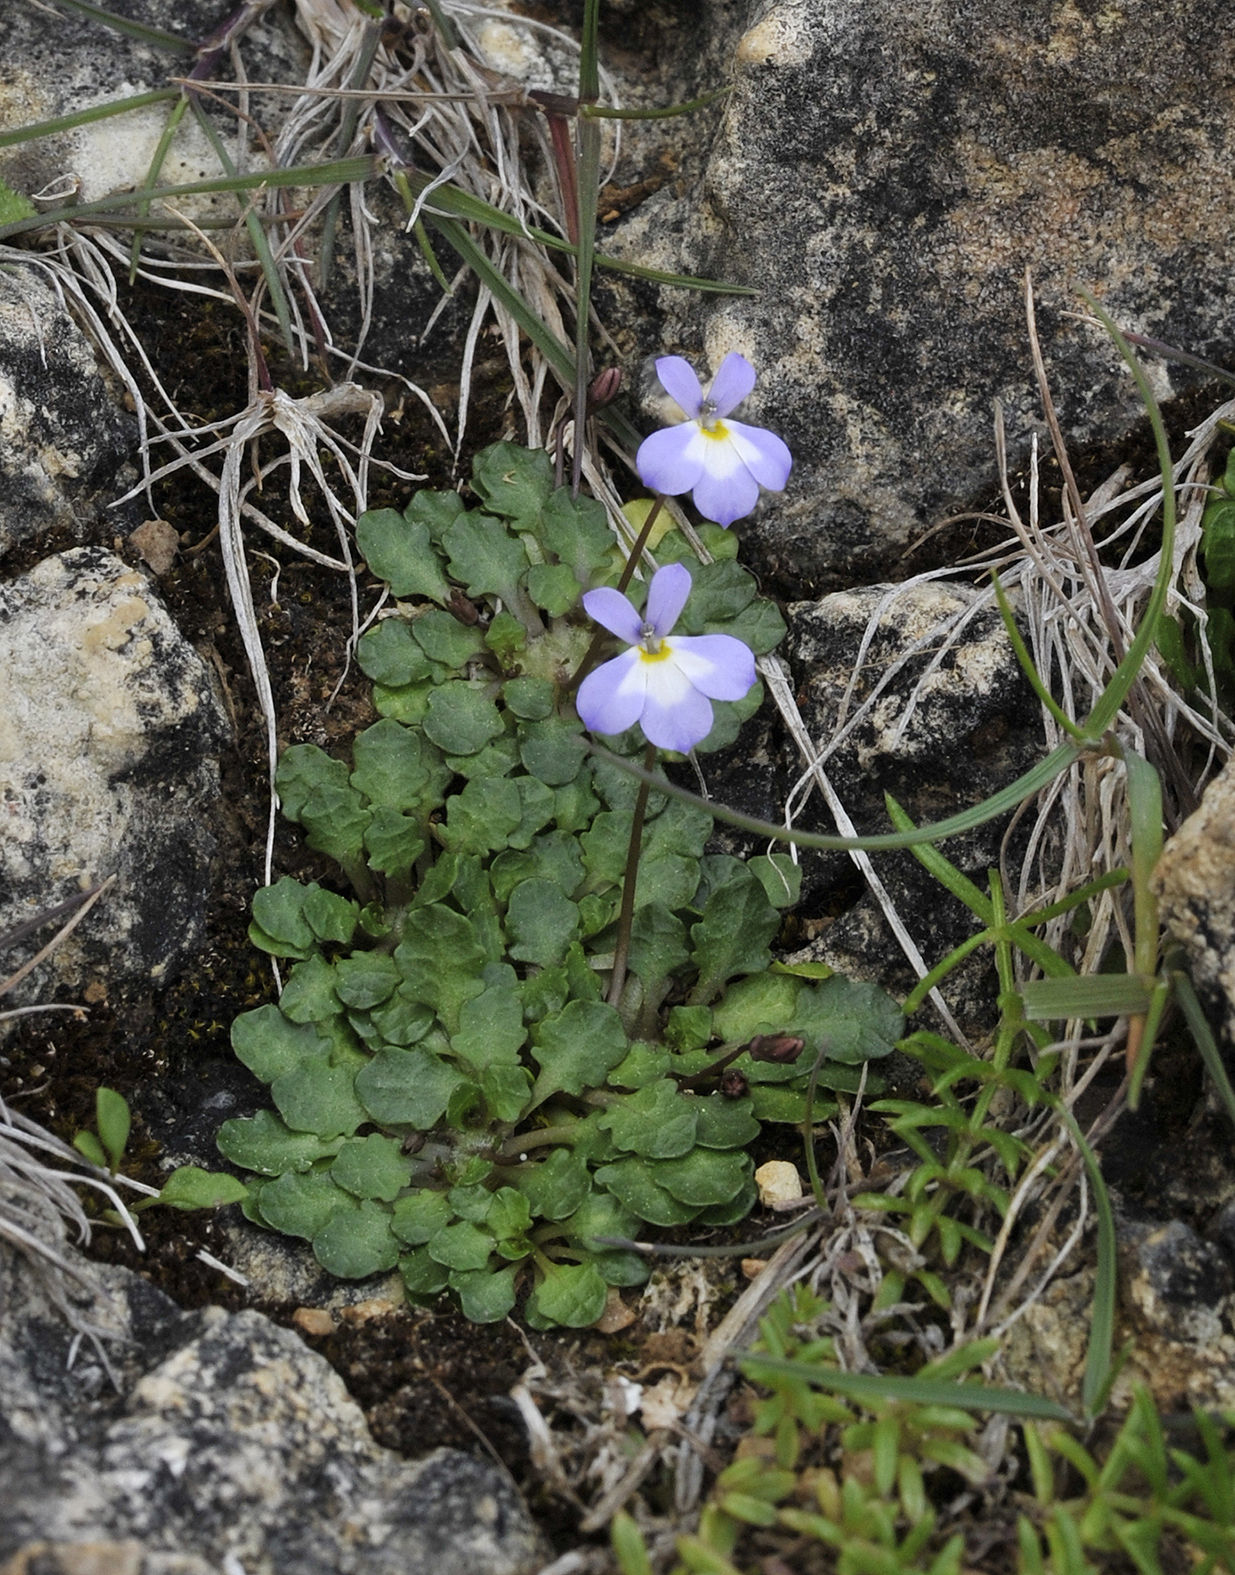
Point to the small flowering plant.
(664, 682)
(497, 1055)
(722, 462)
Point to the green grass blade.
(1145, 805)
(152, 178)
(1075, 899)
(1096, 1382)
(875, 1389)
(257, 235)
(86, 117)
(546, 341)
(942, 969)
(122, 24)
(329, 173)
(1206, 1044)
(942, 869)
(1094, 995)
(1021, 651)
(459, 204)
(1125, 675)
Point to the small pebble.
(778, 1182)
(313, 1320)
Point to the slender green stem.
(808, 1133)
(1007, 798)
(599, 638)
(587, 190)
(621, 947)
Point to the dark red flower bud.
(732, 1083)
(603, 389)
(781, 1048)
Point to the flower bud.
(780, 1048)
(603, 389)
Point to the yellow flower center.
(714, 427)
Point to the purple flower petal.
(726, 490)
(671, 460)
(716, 664)
(732, 383)
(677, 378)
(612, 698)
(675, 714)
(763, 453)
(611, 609)
(666, 597)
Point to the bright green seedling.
(455, 1096)
(189, 1187)
(897, 1450)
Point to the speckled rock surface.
(109, 737)
(230, 1446)
(884, 174)
(1195, 879)
(62, 436)
(973, 728)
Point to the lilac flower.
(666, 684)
(724, 463)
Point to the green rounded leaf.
(703, 1177)
(372, 1167)
(397, 549)
(460, 719)
(540, 923)
(444, 639)
(267, 1145)
(461, 1246)
(421, 1275)
(270, 1045)
(484, 1297)
(573, 1295)
(419, 1216)
(555, 1187)
(356, 1244)
(407, 1088)
(366, 979)
(633, 1182)
(191, 1187)
(302, 1205)
(658, 1122)
(396, 767)
(388, 655)
(577, 1048)
(513, 481)
(320, 1099)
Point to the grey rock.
(230, 1446)
(883, 174)
(62, 436)
(1195, 881)
(1173, 1282)
(973, 728)
(109, 736)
